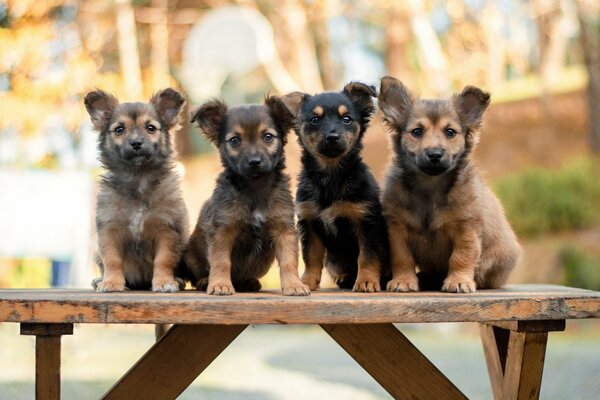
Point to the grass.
(581, 268)
(541, 201)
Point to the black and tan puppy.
(339, 215)
(141, 219)
(249, 220)
(442, 217)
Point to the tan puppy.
(442, 217)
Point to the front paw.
(459, 284)
(366, 286)
(296, 289)
(405, 283)
(106, 285)
(220, 288)
(311, 281)
(165, 285)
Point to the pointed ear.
(100, 105)
(362, 96)
(293, 101)
(210, 117)
(471, 104)
(395, 101)
(281, 114)
(169, 105)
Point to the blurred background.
(541, 139)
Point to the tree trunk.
(159, 37)
(128, 50)
(589, 20)
(319, 30)
(397, 37)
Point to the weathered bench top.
(515, 302)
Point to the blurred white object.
(48, 214)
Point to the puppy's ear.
(362, 96)
(210, 117)
(471, 104)
(169, 105)
(281, 114)
(293, 101)
(100, 105)
(395, 101)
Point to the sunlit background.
(541, 137)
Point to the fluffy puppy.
(141, 219)
(442, 217)
(249, 220)
(339, 214)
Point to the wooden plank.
(521, 302)
(47, 367)
(46, 329)
(495, 346)
(531, 326)
(524, 365)
(173, 363)
(385, 353)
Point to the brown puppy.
(442, 218)
(249, 220)
(141, 219)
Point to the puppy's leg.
(219, 258)
(286, 253)
(313, 252)
(369, 264)
(404, 275)
(463, 260)
(165, 261)
(113, 275)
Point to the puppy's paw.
(220, 288)
(459, 284)
(165, 285)
(296, 289)
(366, 286)
(407, 283)
(202, 284)
(105, 285)
(95, 282)
(311, 281)
(181, 283)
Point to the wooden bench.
(514, 324)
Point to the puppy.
(249, 220)
(339, 214)
(442, 218)
(141, 219)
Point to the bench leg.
(47, 357)
(514, 353)
(173, 362)
(389, 357)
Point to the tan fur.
(342, 110)
(463, 233)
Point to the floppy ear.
(210, 117)
(100, 105)
(395, 101)
(281, 114)
(471, 104)
(293, 101)
(168, 104)
(362, 96)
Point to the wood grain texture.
(399, 367)
(518, 302)
(47, 367)
(531, 326)
(173, 363)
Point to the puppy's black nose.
(435, 155)
(254, 161)
(332, 137)
(136, 145)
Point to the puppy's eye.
(417, 132)
(450, 133)
(346, 119)
(267, 137)
(151, 128)
(314, 121)
(119, 130)
(235, 141)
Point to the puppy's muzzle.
(433, 161)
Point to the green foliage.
(581, 269)
(540, 200)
